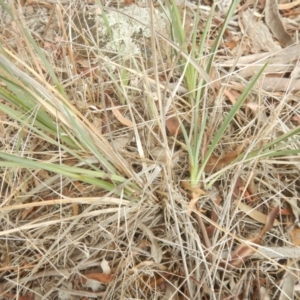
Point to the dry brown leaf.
(173, 126)
(143, 244)
(259, 112)
(285, 212)
(173, 123)
(280, 84)
(271, 218)
(295, 236)
(215, 163)
(100, 277)
(196, 192)
(236, 194)
(246, 195)
(187, 185)
(159, 154)
(214, 217)
(26, 212)
(119, 116)
(193, 203)
(254, 214)
(232, 95)
(75, 209)
(251, 193)
(5, 259)
(205, 235)
(273, 21)
(296, 118)
(293, 202)
(120, 142)
(158, 281)
(212, 164)
(29, 296)
(281, 62)
(231, 44)
(258, 33)
(255, 107)
(243, 252)
(88, 72)
(148, 263)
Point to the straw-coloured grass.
(144, 153)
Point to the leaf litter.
(176, 240)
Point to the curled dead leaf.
(270, 220)
(119, 116)
(101, 277)
(158, 281)
(273, 21)
(255, 214)
(196, 190)
(243, 252)
(252, 188)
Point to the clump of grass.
(101, 197)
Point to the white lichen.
(125, 26)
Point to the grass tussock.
(147, 151)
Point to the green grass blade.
(85, 175)
(36, 48)
(217, 42)
(228, 119)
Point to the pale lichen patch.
(124, 32)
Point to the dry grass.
(96, 194)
